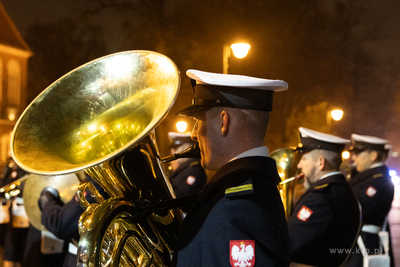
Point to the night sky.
(342, 53)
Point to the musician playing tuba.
(100, 118)
(238, 219)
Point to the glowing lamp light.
(394, 176)
(181, 126)
(345, 154)
(240, 50)
(396, 180)
(11, 117)
(11, 113)
(337, 114)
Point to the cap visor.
(191, 110)
(302, 150)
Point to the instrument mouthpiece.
(191, 152)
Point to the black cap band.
(308, 144)
(360, 146)
(236, 97)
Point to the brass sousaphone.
(101, 118)
(286, 163)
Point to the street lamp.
(181, 126)
(345, 154)
(335, 114)
(240, 50)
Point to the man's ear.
(224, 122)
(373, 155)
(321, 163)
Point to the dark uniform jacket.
(325, 218)
(62, 220)
(375, 191)
(13, 239)
(240, 203)
(183, 185)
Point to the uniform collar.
(335, 178)
(261, 151)
(379, 164)
(262, 165)
(329, 174)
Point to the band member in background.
(238, 218)
(327, 216)
(62, 221)
(187, 176)
(374, 189)
(16, 230)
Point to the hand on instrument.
(48, 193)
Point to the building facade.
(14, 56)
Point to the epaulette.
(320, 187)
(243, 189)
(194, 163)
(377, 175)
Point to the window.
(14, 83)
(5, 148)
(1, 81)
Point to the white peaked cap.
(175, 135)
(228, 90)
(311, 140)
(218, 79)
(322, 136)
(369, 139)
(364, 142)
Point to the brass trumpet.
(13, 189)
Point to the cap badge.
(304, 214)
(242, 253)
(371, 191)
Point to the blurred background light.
(337, 114)
(240, 50)
(181, 126)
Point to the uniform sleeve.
(62, 220)
(375, 196)
(310, 219)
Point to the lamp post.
(240, 50)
